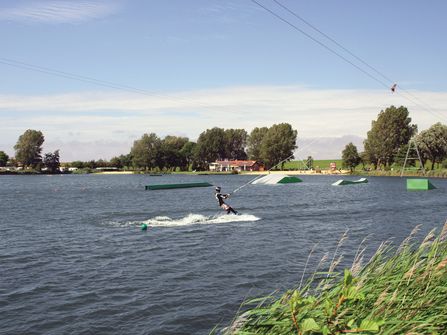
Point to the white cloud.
(122, 117)
(58, 11)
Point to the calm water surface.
(73, 259)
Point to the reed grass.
(399, 291)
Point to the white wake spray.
(192, 219)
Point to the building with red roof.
(236, 165)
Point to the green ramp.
(289, 180)
(419, 185)
(277, 178)
(172, 186)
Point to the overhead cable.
(411, 97)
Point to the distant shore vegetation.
(391, 143)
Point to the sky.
(95, 75)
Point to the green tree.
(3, 158)
(412, 157)
(116, 162)
(310, 162)
(388, 133)
(52, 161)
(211, 146)
(350, 157)
(236, 141)
(29, 147)
(364, 159)
(121, 161)
(278, 144)
(77, 164)
(170, 152)
(126, 160)
(187, 152)
(145, 151)
(433, 143)
(254, 143)
(91, 164)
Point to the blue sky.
(212, 63)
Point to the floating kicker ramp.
(419, 185)
(173, 186)
(350, 182)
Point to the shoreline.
(429, 174)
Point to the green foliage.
(85, 170)
(310, 162)
(150, 153)
(320, 163)
(399, 291)
(122, 161)
(350, 157)
(51, 161)
(388, 133)
(278, 143)
(218, 144)
(91, 164)
(145, 151)
(171, 154)
(187, 152)
(211, 146)
(236, 141)
(444, 164)
(433, 143)
(3, 158)
(402, 154)
(29, 147)
(254, 142)
(77, 164)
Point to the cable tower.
(410, 144)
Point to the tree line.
(388, 142)
(268, 145)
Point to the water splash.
(188, 220)
(192, 219)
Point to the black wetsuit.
(220, 198)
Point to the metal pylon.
(410, 143)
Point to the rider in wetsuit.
(220, 198)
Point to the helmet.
(217, 189)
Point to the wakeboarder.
(220, 199)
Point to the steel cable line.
(279, 17)
(91, 80)
(333, 41)
(424, 106)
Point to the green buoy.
(144, 227)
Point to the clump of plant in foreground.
(401, 291)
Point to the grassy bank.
(400, 291)
(323, 164)
(408, 173)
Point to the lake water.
(73, 259)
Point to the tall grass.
(399, 291)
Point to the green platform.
(419, 185)
(172, 186)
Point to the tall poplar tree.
(278, 144)
(29, 148)
(388, 133)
